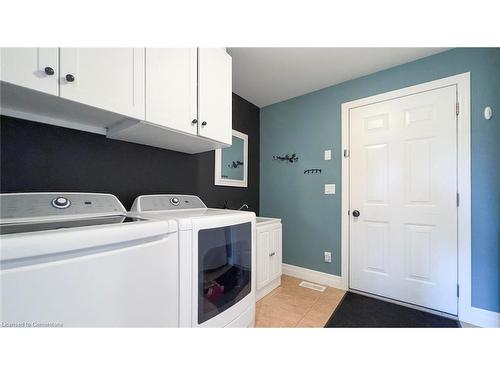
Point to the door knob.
(203, 123)
(355, 213)
(49, 71)
(195, 121)
(70, 77)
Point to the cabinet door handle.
(70, 77)
(203, 123)
(195, 121)
(49, 71)
(272, 254)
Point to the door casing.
(462, 82)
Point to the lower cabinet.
(269, 257)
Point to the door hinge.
(458, 200)
(458, 290)
(457, 108)
(346, 153)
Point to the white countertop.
(267, 220)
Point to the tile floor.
(291, 305)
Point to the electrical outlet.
(328, 257)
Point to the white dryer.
(216, 259)
(78, 260)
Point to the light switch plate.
(328, 154)
(329, 188)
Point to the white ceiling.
(265, 76)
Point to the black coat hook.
(289, 159)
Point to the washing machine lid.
(63, 224)
(42, 224)
(22, 213)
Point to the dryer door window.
(224, 268)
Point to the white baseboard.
(481, 318)
(314, 276)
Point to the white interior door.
(403, 168)
(108, 78)
(34, 68)
(171, 88)
(215, 94)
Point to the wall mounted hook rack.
(312, 171)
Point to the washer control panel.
(17, 206)
(166, 202)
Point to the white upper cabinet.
(173, 98)
(33, 68)
(215, 94)
(171, 85)
(107, 78)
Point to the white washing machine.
(216, 259)
(78, 260)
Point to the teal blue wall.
(310, 124)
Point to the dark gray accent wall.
(39, 157)
(246, 119)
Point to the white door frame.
(462, 81)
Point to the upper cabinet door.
(34, 68)
(108, 78)
(215, 94)
(171, 84)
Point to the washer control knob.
(174, 201)
(61, 202)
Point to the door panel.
(275, 253)
(215, 94)
(263, 249)
(171, 85)
(26, 67)
(224, 268)
(404, 183)
(108, 78)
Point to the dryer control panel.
(166, 202)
